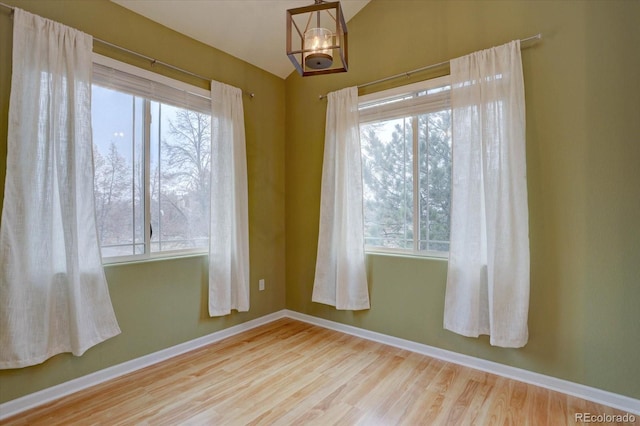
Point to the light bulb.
(318, 40)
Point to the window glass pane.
(139, 180)
(180, 173)
(117, 148)
(387, 168)
(434, 164)
(406, 155)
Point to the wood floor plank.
(288, 372)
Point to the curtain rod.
(428, 67)
(153, 61)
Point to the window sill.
(153, 258)
(408, 254)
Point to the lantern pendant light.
(317, 38)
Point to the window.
(406, 166)
(152, 147)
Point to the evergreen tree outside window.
(406, 165)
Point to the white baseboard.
(44, 396)
(599, 396)
(16, 406)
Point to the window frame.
(390, 94)
(176, 84)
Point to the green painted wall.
(162, 303)
(583, 164)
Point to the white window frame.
(154, 77)
(390, 94)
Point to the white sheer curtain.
(341, 278)
(488, 276)
(229, 227)
(53, 292)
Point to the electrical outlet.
(261, 285)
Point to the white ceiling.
(252, 30)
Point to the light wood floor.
(291, 373)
